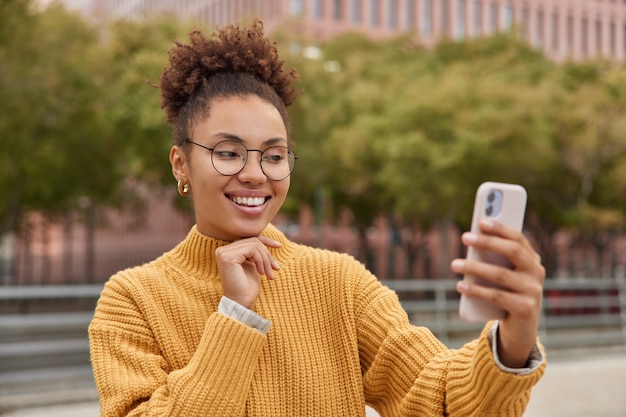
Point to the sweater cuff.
(240, 313)
(534, 360)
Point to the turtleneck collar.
(196, 254)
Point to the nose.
(252, 171)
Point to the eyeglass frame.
(245, 161)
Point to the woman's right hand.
(241, 265)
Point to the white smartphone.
(504, 203)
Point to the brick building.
(563, 29)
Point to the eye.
(229, 150)
(226, 154)
(276, 154)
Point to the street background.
(515, 96)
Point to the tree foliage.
(79, 121)
(52, 152)
(382, 127)
(412, 133)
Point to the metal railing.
(44, 328)
(44, 349)
(577, 313)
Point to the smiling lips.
(249, 201)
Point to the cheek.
(207, 183)
(283, 187)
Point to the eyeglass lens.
(229, 158)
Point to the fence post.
(621, 291)
(6, 258)
(441, 310)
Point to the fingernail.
(461, 286)
(458, 264)
(275, 265)
(470, 237)
(487, 224)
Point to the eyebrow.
(235, 138)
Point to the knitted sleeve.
(133, 378)
(408, 372)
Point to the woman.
(239, 321)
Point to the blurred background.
(406, 107)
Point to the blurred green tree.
(411, 133)
(383, 127)
(81, 124)
(589, 120)
(53, 152)
(134, 55)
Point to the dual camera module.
(493, 204)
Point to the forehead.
(249, 118)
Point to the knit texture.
(339, 340)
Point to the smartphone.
(504, 203)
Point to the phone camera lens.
(489, 210)
(491, 197)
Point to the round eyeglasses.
(229, 157)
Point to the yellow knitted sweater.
(338, 340)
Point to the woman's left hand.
(521, 288)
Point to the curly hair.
(234, 61)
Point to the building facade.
(563, 29)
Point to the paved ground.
(580, 385)
(90, 409)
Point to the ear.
(178, 159)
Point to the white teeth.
(249, 201)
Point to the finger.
(270, 242)
(252, 251)
(252, 257)
(273, 244)
(490, 227)
(518, 254)
(497, 275)
(524, 283)
(265, 262)
(516, 280)
(519, 305)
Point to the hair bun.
(232, 49)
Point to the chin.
(249, 231)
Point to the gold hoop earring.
(183, 188)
